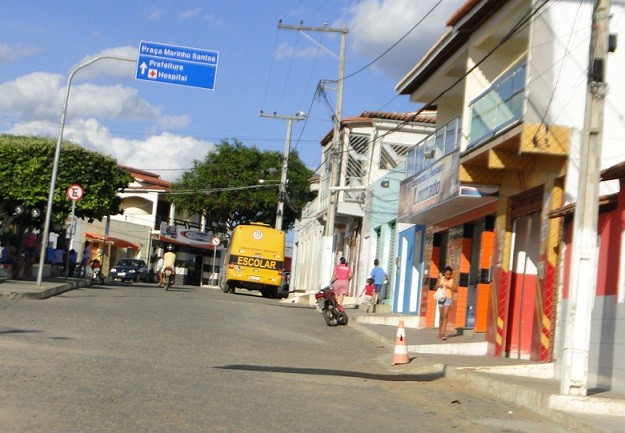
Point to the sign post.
(173, 64)
(215, 241)
(74, 193)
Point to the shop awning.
(116, 242)
(201, 245)
(470, 202)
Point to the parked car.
(130, 270)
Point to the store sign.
(430, 187)
(183, 236)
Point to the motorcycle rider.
(169, 260)
(96, 269)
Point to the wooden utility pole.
(583, 281)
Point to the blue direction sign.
(172, 64)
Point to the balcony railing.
(499, 106)
(442, 142)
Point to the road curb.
(535, 400)
(46, 292)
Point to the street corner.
(26, 289)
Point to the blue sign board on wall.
(173, 64)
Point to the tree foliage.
(219, 186)
(26, 171)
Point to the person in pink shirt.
(340, 279)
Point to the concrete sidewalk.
(529, 384)
(50, 286)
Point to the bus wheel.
(226, 288)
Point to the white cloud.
(286, 51)
(114, 102)
(34, 96)
(189, 13)
(31, 105)
(154, 14)
(375, 25)
(166, 154)
(9, 53)
(40, 96)
(110, 67)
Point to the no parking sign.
(74, 192)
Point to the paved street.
(134, 358)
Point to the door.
(521, 324)
(409, 270)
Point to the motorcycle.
(96, 273)
(333, 312)
(168, 277)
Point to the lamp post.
(55, 164)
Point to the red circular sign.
(74, 192)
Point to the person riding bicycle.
(169, 261)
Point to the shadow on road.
(421, 377)
(179, 289)
(17, 331)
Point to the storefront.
(198, 254)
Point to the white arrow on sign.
(143, 67)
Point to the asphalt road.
(134, 358)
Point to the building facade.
(147, 225)
(369, 161)
(508, 81)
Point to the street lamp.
(55, 164)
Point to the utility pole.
(582, 290)
(285, 163)
(335, 153)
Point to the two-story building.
(508, 82)
(370, 156)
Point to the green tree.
(26, 170)
(221, 186)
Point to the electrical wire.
(413, 28)
(288, 75)
(214, 190)
(516, 28)
(273, 59)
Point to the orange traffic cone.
(401, 347)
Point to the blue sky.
(163, 127)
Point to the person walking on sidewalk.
(368, 292)
(86, 258)
(447, 282)
(29, 249)
(340, 279)
(379, 276)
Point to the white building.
(371, 148)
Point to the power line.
(396, 43)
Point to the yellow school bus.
(255, 261)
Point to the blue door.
(409, 279)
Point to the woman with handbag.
(448, 284)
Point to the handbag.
(439, 295)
